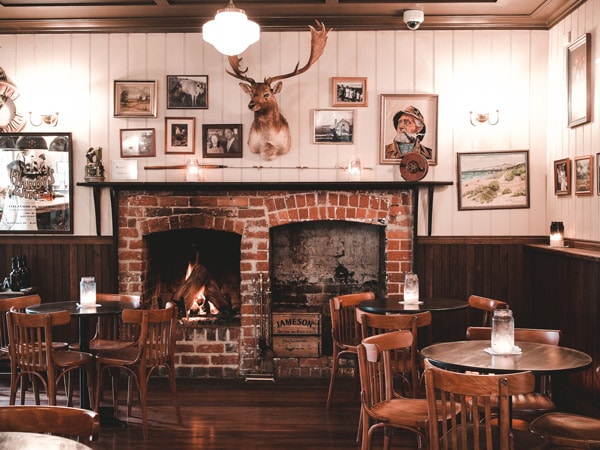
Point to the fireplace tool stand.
(263, 353)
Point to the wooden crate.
(297, 346)
(296, 323)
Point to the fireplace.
(251, 227)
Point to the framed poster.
(349, 91)
(579, 80)
(333, 126)
(584, 173)
(36, 192)
(138, 142)
(562, 176)
(408, 124)
(222, 141)
(179, 135)
(134, 98)
(187, 91)
(493, 180)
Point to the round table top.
(102, 308)
(35, 441)
(538, 358)
(396, 305)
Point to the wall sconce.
(48, 119)
(231, 32)
(481, 118)
(557, 234)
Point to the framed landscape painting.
(584, 171)
(135, 98)
(493, 180)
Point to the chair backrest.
(110, 326)
(476, 395)
(18, 303)
(75, 423)
(345, 329)
(487, 306)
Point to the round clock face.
(11, 120)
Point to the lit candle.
(87, 291)
(557, 238)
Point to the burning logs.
(201, 283)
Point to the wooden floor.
(240, 415)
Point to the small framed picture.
(222, 140)
(584, 170)
(579, 80)
(349, 91)
(598, 173)
(333, 126)
(562, 176)
(135, 98)
(138, 142)
(179, 135)
(187, 91)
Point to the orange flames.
(200, 305)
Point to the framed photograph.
(36, 189)
(562, 176)
(333, 126)
(408, 124)
(598, 173)
(179, 135)
(187, 91)
(584, 174)
(222, 140)
(493, 180)
(138, 142)
(349, 91)
(579, 80)
(135, 98)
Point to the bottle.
(503, 331)
(26, 272)
(15, 275)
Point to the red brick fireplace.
(250, 210)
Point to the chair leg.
(334, 370)
(143, 390)
(171, 369)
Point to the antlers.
(317, 46)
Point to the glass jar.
(557, 234)
(411, 288)
(503, 331)
(87, 291)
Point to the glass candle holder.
(87, 291)
(557, 234)
(411, 288)
(503, 331)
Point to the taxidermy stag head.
(270, 134)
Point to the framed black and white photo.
(222, 140)
(333, 126)
(579, 80)
(135, 98)
(584, 171)
(187, 91)
(179, 135)
(349, 91)
(138, 142)
(598, 173)
(562, 176)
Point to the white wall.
(75, 74)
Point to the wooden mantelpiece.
(116, 186)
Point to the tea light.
(557, 234)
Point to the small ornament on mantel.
(94, 170)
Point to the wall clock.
(11, 120)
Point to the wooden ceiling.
(99, 16)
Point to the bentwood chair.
(154, 348)
(345, 331)
(486, 306)
(76, 423)
(473, 395)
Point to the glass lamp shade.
(231, 32)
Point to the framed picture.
(135, 98)
(222, 141)
(36, 189)
(350, 91)
(408, 124)
(333, 126)
(179, 135)
(579, 80)
(187, 91)
(584, 174)
(493, 180)
(598, 173)
(138, 142)
(562, 176)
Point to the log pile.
(200, 278)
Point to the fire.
(200, 305)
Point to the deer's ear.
(277, 88)
(246, 88)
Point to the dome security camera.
(413, 18)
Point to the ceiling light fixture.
(231, 32)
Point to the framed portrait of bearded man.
(408, 124)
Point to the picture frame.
(584, 174)
(579, 81)
(349, 91)
(417, 108)
(598, 173)
(36, 190)
(187, 91)
(135, 98)
(138, 142)
(216, 138)
(493, 180)
(562, 176)
(180, 135)
(333, 126)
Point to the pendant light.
(231, 32)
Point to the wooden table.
(395, 305)
(31, 441)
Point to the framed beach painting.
(493, 180)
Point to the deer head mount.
(270, 133)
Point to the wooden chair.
(75, 423)
(154, 348)
(473, 394)
(531, 405)
(487, 306)
(29, 336)
(345, 332)
(18, 303)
